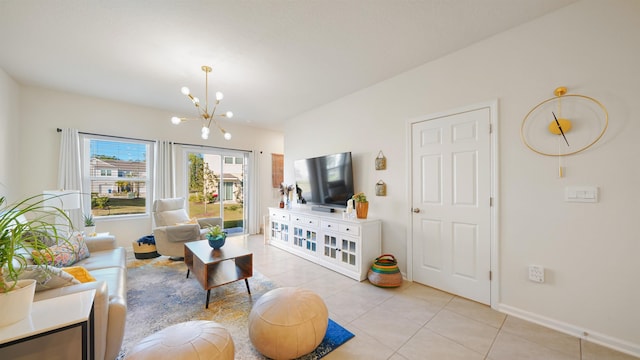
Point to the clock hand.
(560, 128)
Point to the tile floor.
(416, 321)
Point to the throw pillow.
(79, 273)
(65, 254)
(40, 236)
(47, 277)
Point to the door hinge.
(490, 129)
(491, 201)
(490, 275)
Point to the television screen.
(325, 180)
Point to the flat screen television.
(325, 180)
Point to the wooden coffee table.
(215, 268)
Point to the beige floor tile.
(591, 351)
(434, 296)
(510, 347)
(476, 311)
(362, 346)
(543, 336)
(329, 284)
(427, 345)
(397, 356)
(411, 308)
(467, 332)
(390, 330)
(349, 305)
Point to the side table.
(51, 316)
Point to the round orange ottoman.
(288, 322)
(197, 340)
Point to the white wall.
(590, 251)
(43, 110)
(9, 128)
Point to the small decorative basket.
(384, 272)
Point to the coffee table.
(215, 268)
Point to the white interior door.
(451, 189)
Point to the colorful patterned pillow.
(47, 277)
(66, 253)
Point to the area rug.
(160, 295)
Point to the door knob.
(416, 210)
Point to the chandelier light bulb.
(227, 136)
(219, 95)
(229, 114)
(185, 90)
(175, 120)
(205, 132)
(196, 100)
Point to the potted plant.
(362, 205)
(22, 225)
(216, 236)
(89, 225)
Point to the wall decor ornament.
(381, 188)
(381, 161)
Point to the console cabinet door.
(341, 250)
(330, 248)
(305, 239)
(350, 253)
(279, 229)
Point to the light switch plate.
(581, 194)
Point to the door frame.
(494, 221)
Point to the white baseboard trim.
(573, 330)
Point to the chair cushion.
(171, 217)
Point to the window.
(215, 184)
(117, 174)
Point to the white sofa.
(107, 264)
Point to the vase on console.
(362, 205)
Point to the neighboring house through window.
(116, 172)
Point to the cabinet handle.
(348, 229)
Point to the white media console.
(347, 246)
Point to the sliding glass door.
(215, 184)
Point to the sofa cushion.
(104, 259)
(116, 279)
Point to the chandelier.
(205, 116)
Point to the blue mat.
(335, 336)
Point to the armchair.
(172, 228)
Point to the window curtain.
(70, 172)
(254, 193)
(164, 184)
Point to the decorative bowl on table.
(216, 241)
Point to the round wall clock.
(565, 124)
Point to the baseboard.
(573, 330)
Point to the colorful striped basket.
(384, 272)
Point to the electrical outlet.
(536, 273)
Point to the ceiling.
(273, 59)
